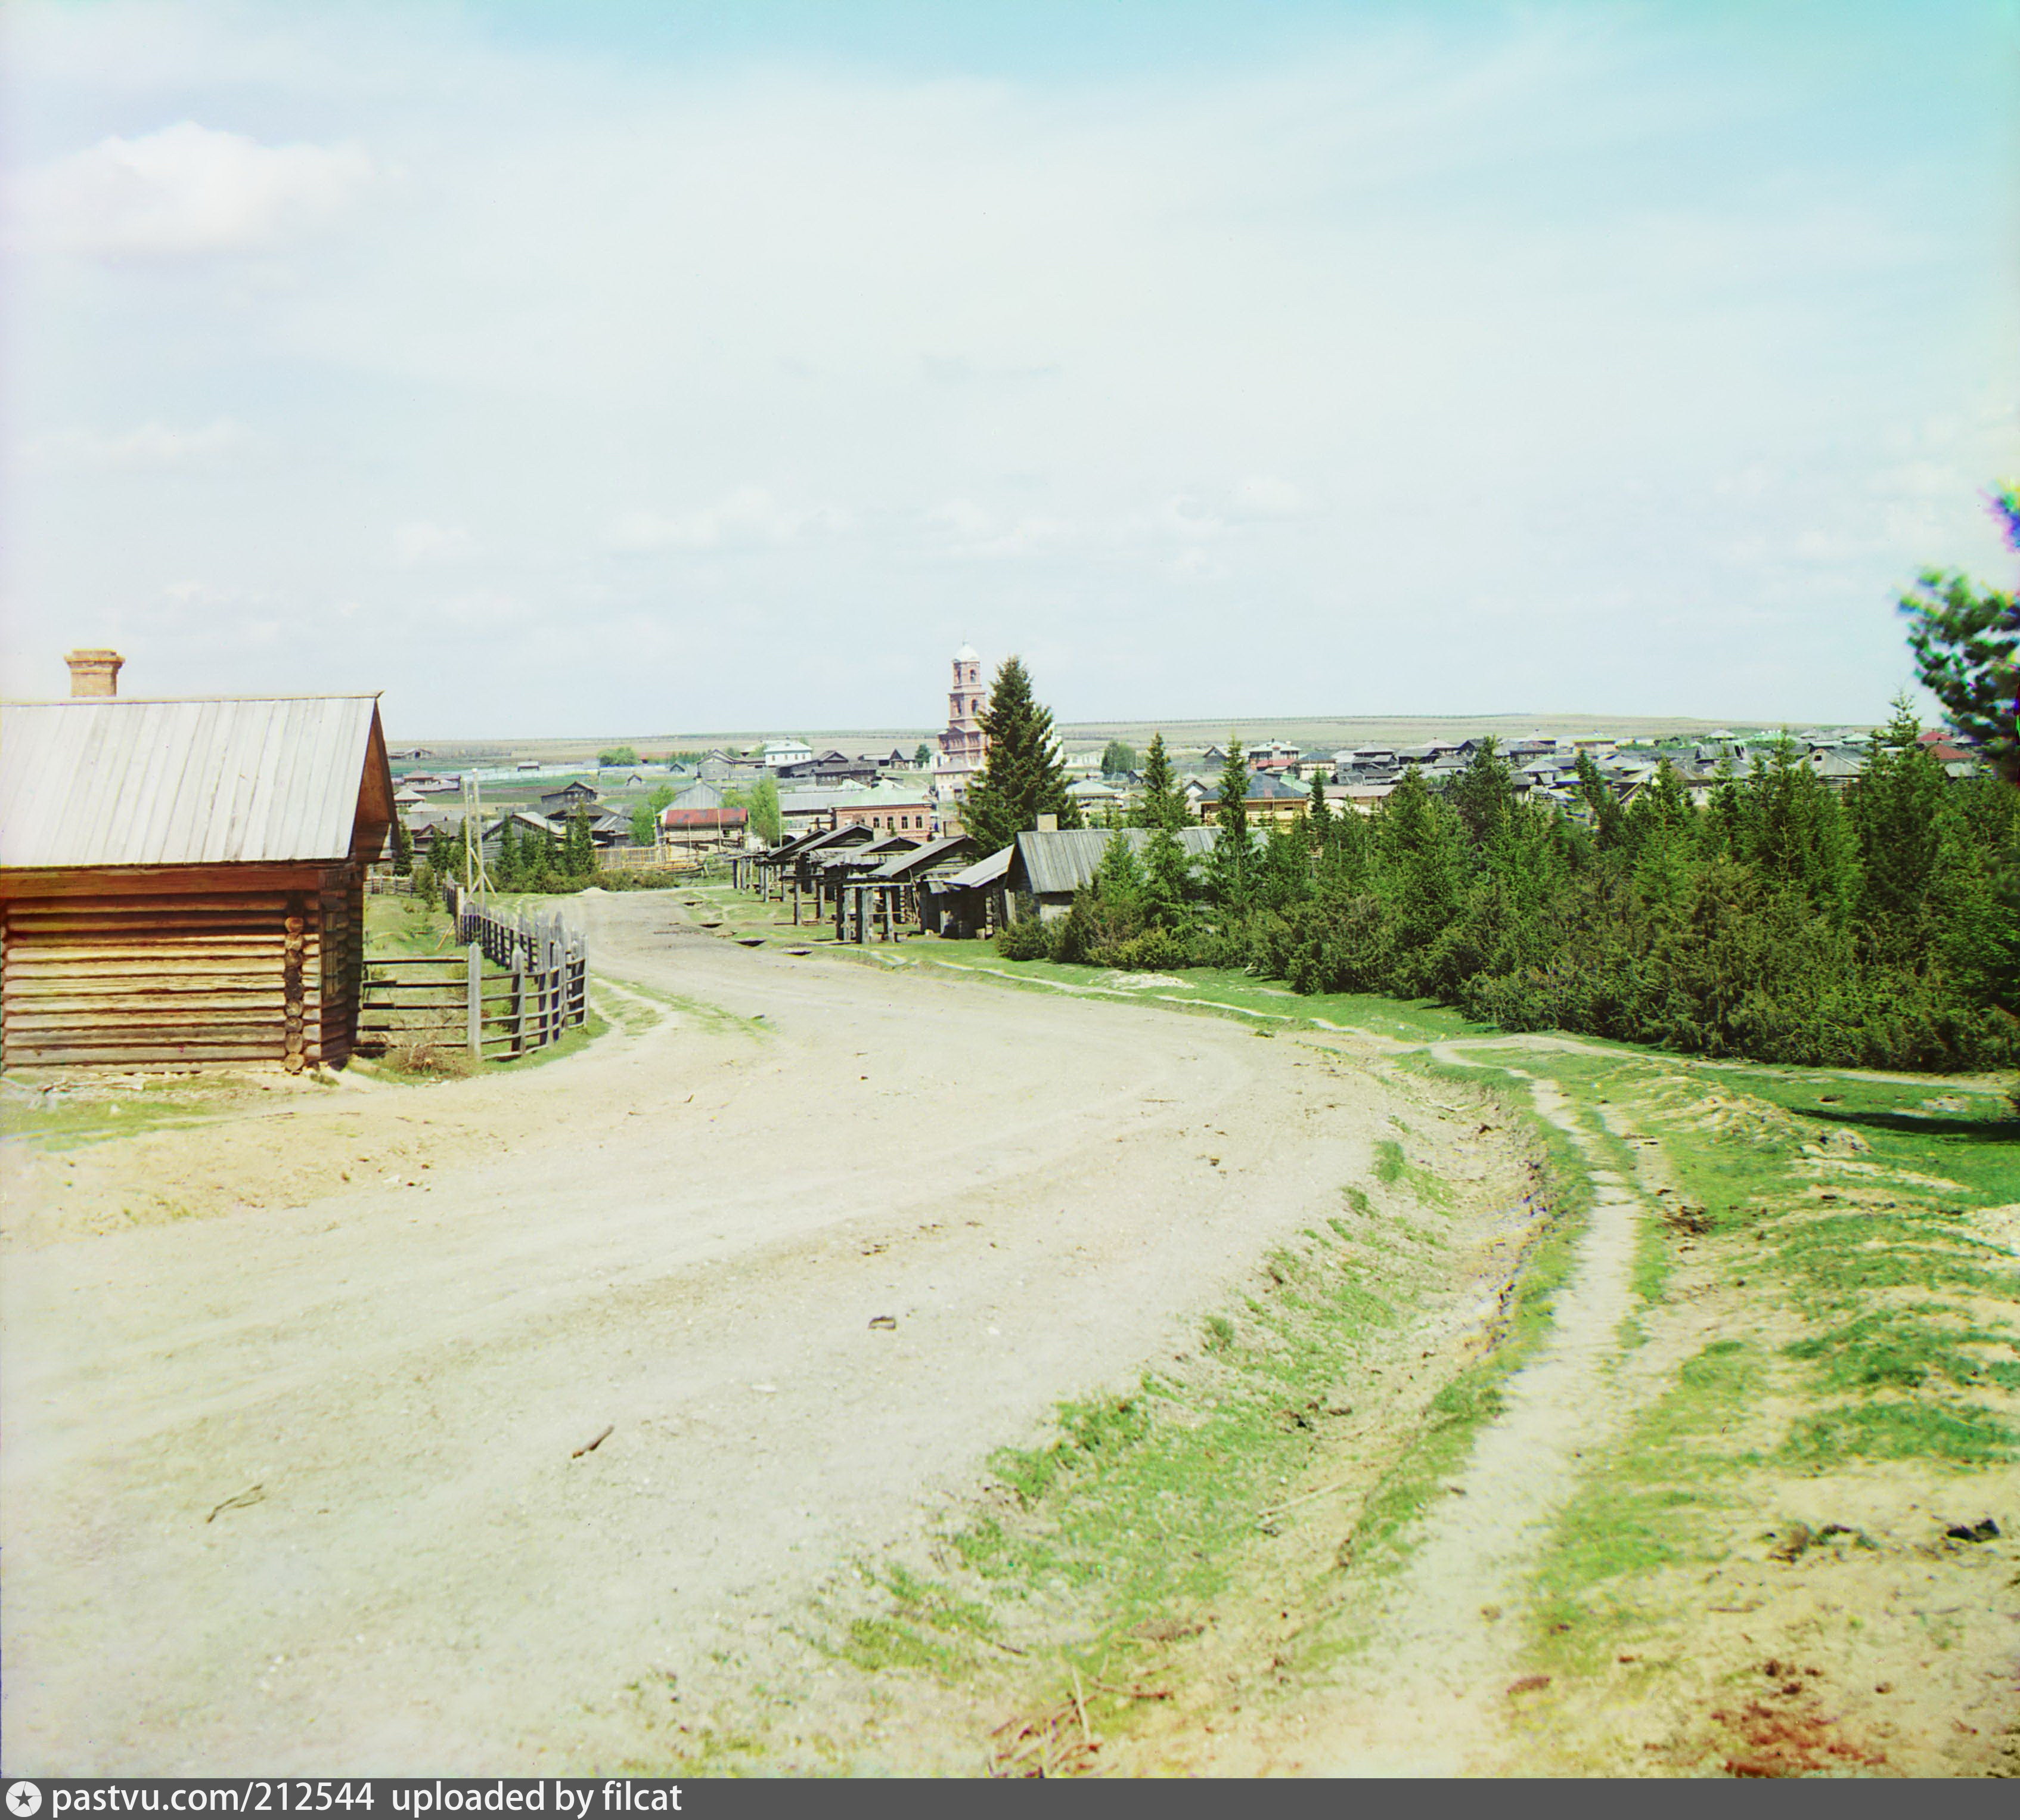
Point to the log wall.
(121, 971)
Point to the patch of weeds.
(924, 1625)
(424, 1060)
(1393, 1168)
(878, 1643)
(1953, 1434)
(1903, 1350)
(1644, 1508)
(1442, 1447)
(1219, 1333)
(1837, 1259)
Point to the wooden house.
(1048, 865)
(183, 882)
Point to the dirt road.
(294, 1484)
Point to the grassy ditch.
(1838, 1289)
(1277, 1466)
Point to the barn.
(183, 882)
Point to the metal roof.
(1064, 860)
(104, 781)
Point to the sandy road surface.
(1042, 1192)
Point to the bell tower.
(964, 745)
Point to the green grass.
(1213, 990)
(71, 1117)
(1657, 1500)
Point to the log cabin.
(182, 882)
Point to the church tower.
(964, 745)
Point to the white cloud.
(749, 518)
(186, 189)
(150, 445)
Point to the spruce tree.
(403, 848)
(1483, 793)
(1163, 803)
(1023, 777)
(578, 848)
(1231, 868)
(1318, 818)
(1897, 807)
(508, 865)
(1168, 880)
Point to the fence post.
(476, 1002)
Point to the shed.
(1050, 866)
(969, 903)
(183, 880)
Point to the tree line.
(1780, 921)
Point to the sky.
(576, 369)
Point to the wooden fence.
(538, 993)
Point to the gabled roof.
(1064, 860)
(907, 866)
(983, 871)
(113, 781)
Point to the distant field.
(1182, 735)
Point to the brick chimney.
(94, 673)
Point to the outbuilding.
(183, 882)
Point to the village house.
(1048, 865)
(1271, 800)
(902, 812)
(183, 882)
(699, 817)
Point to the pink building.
(964, 745)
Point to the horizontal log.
(20, 1013)
(160, 1035)
(24, 1057)
(161, 1029)
(164, 959)
(270, 902)
(222, 947)
(77, 930)
(121, 985)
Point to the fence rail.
(540, 992)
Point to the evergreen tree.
(1318, 817)
(403, 847)
(1163, 802)
(537, 852)
(1168, 880)
(510, 869)
(1603, 806)
(923, 758)
(1231, 866)
(1483, 793)
(1022, 777)
(578, 848)
(1897, 807)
